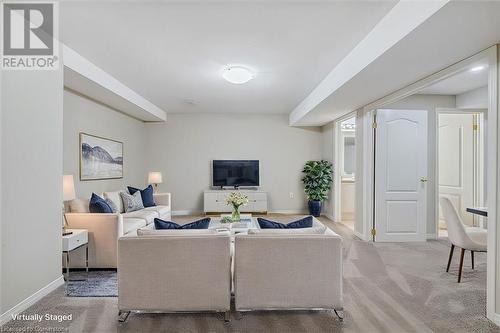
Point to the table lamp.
(155, 178)
(68, 194)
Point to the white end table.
(77, 239)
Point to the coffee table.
(247, 222)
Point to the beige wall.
(183, 148)
(84, 115)
(31, 188)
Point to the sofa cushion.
(132, 202)
(79, 206)
(199, 224)
(146, 195)
(160, 210)
(177, 232)
(132, 224)
(147, 216)
(305, 222)
(117, 200)
(98, 205)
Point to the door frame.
(480, 189)
(337, 159)
(366, 151)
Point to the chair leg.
(472, 257)
(449, 258)
(462, 251)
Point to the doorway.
(400, 175)
(460, 164)
(345, 177)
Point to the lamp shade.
(154, 177)
(68, 188)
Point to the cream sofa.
(288, 269)
(105, 229)
(174, 271)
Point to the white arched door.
(400, 175)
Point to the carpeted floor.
(388, 287)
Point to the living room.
(131, 129)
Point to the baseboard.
(430, 236)
(495, 318)
(290, 211)
(186, 212)
(328, 216)
(29, 301)
(359, 235)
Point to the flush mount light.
(477, 68)
(237, 74)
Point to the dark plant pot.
(315, 208)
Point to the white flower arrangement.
(236, 199)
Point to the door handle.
(423, 179)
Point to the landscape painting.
(100, 158)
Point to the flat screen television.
(235, 173)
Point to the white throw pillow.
(116, 198)
(79, 206)
(131, 203)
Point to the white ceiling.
(457, 31)
(465, 81)
(172, 53)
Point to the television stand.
(214, 201)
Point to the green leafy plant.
(317, 180)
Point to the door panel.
(456, 162)
(400, 164)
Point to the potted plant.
(317, 183)
(236, 200)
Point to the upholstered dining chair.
(466, 238)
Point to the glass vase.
(235, 216)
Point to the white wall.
(31, 191)
(429, 103)
(85, 115)
(473, 99)
(183, 148)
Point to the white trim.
(29, 301)
(431, 236)
(360, 236)
(288, 211)
(492, 171)
(495, 318)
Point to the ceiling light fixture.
(237, 74)
(477, 68)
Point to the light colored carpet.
(388, 287)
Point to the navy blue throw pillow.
(146, 195)
(99, 205)
(305, 222)
(200, 224)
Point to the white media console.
(214, 201)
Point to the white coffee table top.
(247, 222)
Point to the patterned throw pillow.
(305, 222)
(132, 202)
(200, 224)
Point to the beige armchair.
(174, 271)
(280, 271)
